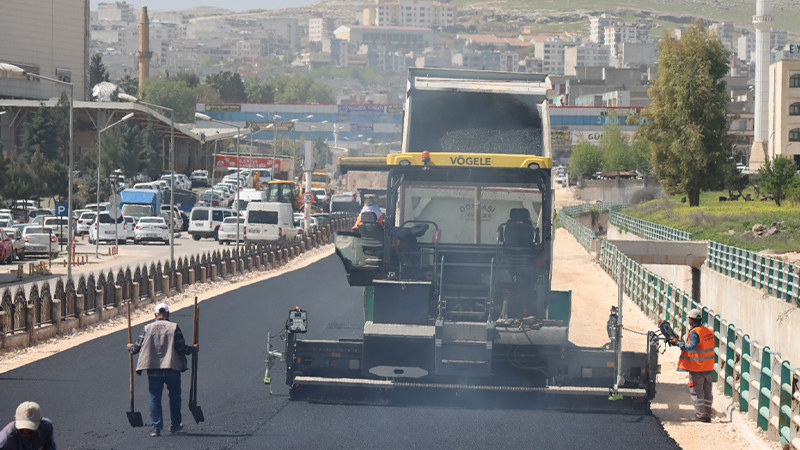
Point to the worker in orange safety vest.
(697, 358)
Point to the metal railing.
(646, 229)
(757, 380)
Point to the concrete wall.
(765, 318)
(620, 192)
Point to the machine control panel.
(298, 321)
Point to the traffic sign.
(308, 198)
(61, 210)
(114, 212)
(115, 199)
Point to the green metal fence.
(646, 229)
(582, 234)
(763, 386)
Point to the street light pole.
(133, 99)
(202, 116)
(17, 69)
(99, 149)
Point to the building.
(116, 12)
(585, 55)
(409, 13)
(784, 110)
(60, 52)
(634, 54)
(408, 37)
(320, 28)
(597, 26)
(622, 32)
(282, 30)
(551, 53)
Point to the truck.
(139, 203)
(458, 294)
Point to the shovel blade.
(135, 419)
(197, 414)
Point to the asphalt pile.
(526, 141)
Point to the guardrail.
(646, 229)
(762, 385)
(584, 235)
(41, 313)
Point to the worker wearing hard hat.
(697, 358)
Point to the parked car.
(199, 178)
(16, 239)
(151, 229)
(210, 198)
(38, 241)
(323, 220)
(205, 221)
(176, 216)
(227, 231)
(269, 221)
(180, 181)
(130, 224)
(105, 228)
(85, 221)
(8, 248)
(102, 207)
(59, 225)
(300, 225)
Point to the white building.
(634, 54)
(551, 53)
(585, 55)
(60, 52)
(597, 27)
(207, 27)
(116, 12)
(283, 29)
(411, 13)
(320, 28)
(409, 37)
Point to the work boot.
(703, 419)
(155, 432)
(175, 428)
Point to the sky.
(233, 5)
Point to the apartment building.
(412, 13)
(551, 53)
(585, 55)
(320, 28)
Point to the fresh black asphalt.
(84, 390)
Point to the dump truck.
(457, 281)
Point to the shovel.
(197, 411)
(134, 418)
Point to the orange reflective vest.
(700, 359)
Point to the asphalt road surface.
(85, 390)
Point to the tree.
(129, 146)
(229, 85)
(97, 70)
(687, 125)
(301, 89)
(258, 91)
(777, 174)
(190, 79)
(129, 84)
(173, 94)
(586, 160)
(206, 93)
(41, 134)
(19, 181)
(617, 156)
(150, 151)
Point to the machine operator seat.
(518, 234)
(371, 237)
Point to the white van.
(249, 195)
(204, 221)
(268, 221)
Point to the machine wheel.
(216, 234)
(196, 237)
(20, 255)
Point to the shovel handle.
(130, 355)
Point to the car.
(38, 241)
(105, 228)
(227, 231)
(59, 225)
(323, 220)
(199, 178)
(300, 225)
(7, 222)
(7, 247)
(224, 189)
(130, 224)
(151, 186)
(16, 240)
(164, 185)
(205, 221)
(210, 198)
(151, 229)
(95, 207)
(180, 181)
(176, 216)
(321, 195)
(85, 221)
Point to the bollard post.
(30, 269)
(31, 319)
(203, 274)
(136, 292)
(179, 282)
(191, 276)
(151, 288)
(3, 320)
(165, 286)
(55, 313)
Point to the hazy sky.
(233, 5)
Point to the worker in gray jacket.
(162, 353)
(28, 431)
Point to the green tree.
(129, 146)
(97, 70)
(777, 175)
(687, 125)
(190, 79)
(150, 151)
(19, 181)
(173, 94)
(617, 155)
(129, 84)
(50, 177)
(41, 134)
(229, 85)
(640, 151)
(586, 159)
(206, 93)
(301, 89)
(258, 91)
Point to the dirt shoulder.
(19, 357)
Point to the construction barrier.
(758, 381)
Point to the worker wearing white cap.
(29, 430)
(697, 358)
(162, 353)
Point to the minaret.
(144, 54)
(762, 21)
